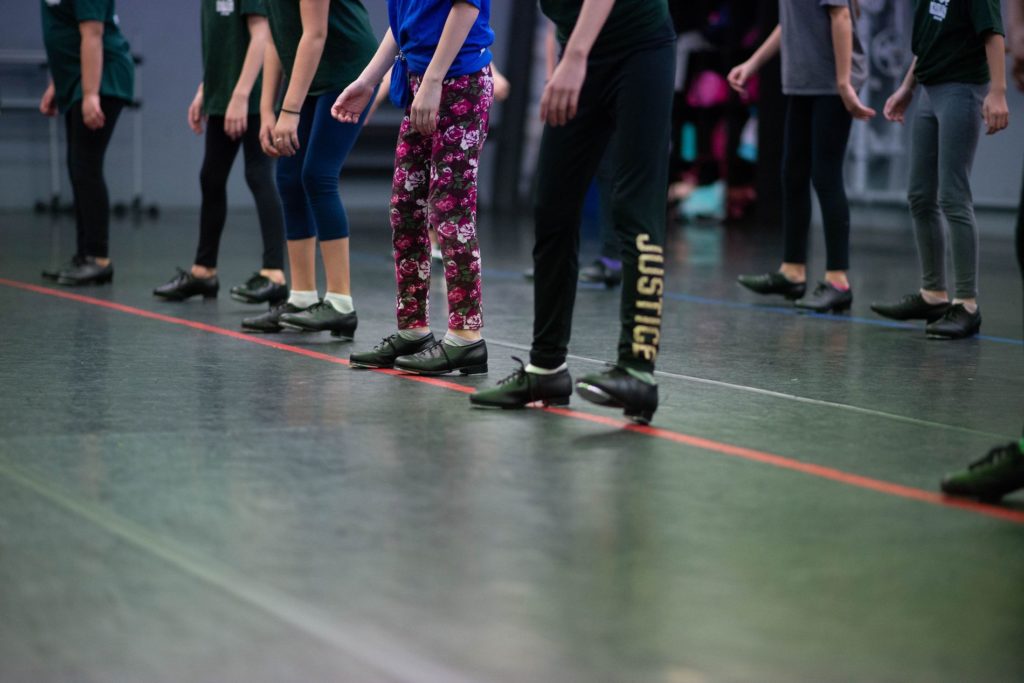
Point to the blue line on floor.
(512, 275)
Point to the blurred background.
(725, 152)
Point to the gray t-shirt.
(808, 61)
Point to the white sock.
(971, 308)
(413, 335)
(455, 340)
(342, 303)
(534, 370)
(303, 299)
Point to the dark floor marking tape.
(820, 471)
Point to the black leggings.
(220, 155)
(817, 129)
(626, 106)
(86, 151)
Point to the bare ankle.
(837, 278)
(935, 296)
(794, 272)
(274, 275)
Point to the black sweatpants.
(626, 100)
(817, 129)
(86, 152)
(220, 155)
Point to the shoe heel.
(210, 296)
(344, 335)
(557, 402)
(105, 279)
(640, 417)
(474, 370)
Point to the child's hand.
(48, 102)
(195, 113)
(739, 76)
(286, 134)
(561, 98)
(502, 88)
(236, 118)
(995, 112)
(92, 112)
(267, 123)
(853, 104)
(423, 112)
(352, 102)
(896, 106)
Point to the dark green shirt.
(949, 39)
(350, 42)
(632, 23)
(225, 42)
(64, 49)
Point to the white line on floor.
(361, 642)
(789, 397)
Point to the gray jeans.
(943, 141)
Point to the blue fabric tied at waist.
(400, 91)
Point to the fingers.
(573, 105)
(737, 80)
(266, 137)
(996, 121)
(862, 113)
(94, 119)
(337, 111)
(423, 120)
(893, 111)
(558, 106)
(235, 127)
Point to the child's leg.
(86, 152)
(569, 156)
(958, 109)
(796, 185)
(923, 196)
(409, 236)
(330, 142)
(643, 112)
(455, 156)
(218, 157)
(300, 224)
(259, 175)
(830, 130)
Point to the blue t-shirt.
(417, 26)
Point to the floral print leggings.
(435, 186)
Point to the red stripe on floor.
(750, 454)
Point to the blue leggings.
(308, 181)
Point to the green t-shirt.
(225, 42)
(64, 49)
(632, 23)
(349, 48)
(949, 40)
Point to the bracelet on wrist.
(290, 111)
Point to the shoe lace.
(385, 342)
(279, 307)
(182, 275)
(517, 375)
(995, 456)
(254, 281)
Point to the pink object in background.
(709, 89)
